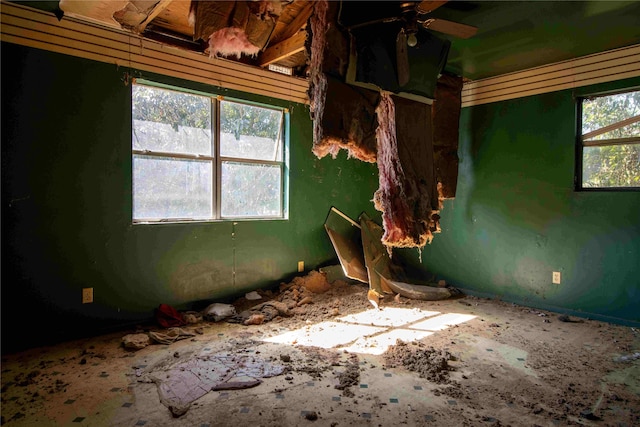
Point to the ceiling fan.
(411, 16)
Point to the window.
(609, 144)
(198, 157)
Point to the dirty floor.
(337, 361)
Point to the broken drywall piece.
(376, 257)
(383, 275)
(417, 292)
(345, 237)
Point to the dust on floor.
(459, 362)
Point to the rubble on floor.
(291, 299)
(509, 365)
(428, 362)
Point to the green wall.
(516, 217)
(66, 212)
(66, 209)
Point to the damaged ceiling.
(510, 36)
(385, 78)
(257, 33)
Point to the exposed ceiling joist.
(298, 23)
(162, 5)
(283, 50)
(137, 14)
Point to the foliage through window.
(199, 157)
(610, 141)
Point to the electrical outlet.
(300, 266)
(556, 277)
(87, 295)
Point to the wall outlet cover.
(556, 277)
(87, 295)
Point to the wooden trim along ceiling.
(601, 67)
(35, 28)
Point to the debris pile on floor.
(428, 362)
(350, 376)
(306, 296)
(290, 301)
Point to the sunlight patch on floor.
(378, 344)
(389, 316)
(325, 334)
(441, 322)
(372, 331)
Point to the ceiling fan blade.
(376, 21)
(428, 6)
(462, 31)
(402, 58)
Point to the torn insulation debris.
(407, 196)
(234, 28)
(413, 139)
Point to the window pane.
(168, 121)
(249, 132)
(166, 188)
(251, 190)
(611, 166)
(606, 110)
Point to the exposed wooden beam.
(296, 24)
(137, 14)
(282, 50)
(38, 29)
(162, 5)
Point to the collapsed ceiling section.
(377, 82)
(255, 32)
(234, 28)
(409, 129)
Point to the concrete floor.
(509, 365)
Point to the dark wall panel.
(516, 217)
(66, 208)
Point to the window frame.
(216, 160)
(580, 143)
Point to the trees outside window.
(202, 157)
(610, 141)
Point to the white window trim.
(217, 160)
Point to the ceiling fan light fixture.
(412, 40)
